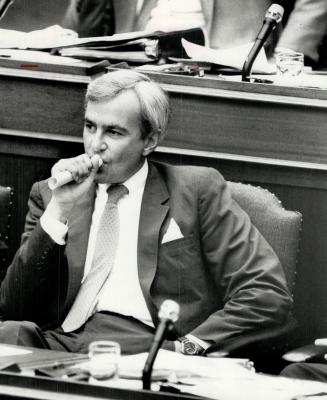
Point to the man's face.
(112, 129)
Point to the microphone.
(273, 17)
(63, 177)
(4, 5)
(168, 315)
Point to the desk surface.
(24, 385)
(249, 386)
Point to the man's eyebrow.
(115, 127)
(88, 120)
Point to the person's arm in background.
(90, 17)
(305, 28)
(71, 16)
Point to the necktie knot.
(116, 192)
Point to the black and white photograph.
(163, 199)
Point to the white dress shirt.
(170, 15)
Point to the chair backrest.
(281, 228)
(6, 201)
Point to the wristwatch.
(190, 348)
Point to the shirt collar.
(135, 182)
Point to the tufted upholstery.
(281, 228)
(6, 194)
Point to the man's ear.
(151, 142)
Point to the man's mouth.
(104, 165)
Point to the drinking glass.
(104, 359)
(289, 63)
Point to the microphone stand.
(247, 67)
(273, 17)
(148, 367)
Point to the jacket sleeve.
(242, 264)
(89, 18)
(305, 27)
(34, 287)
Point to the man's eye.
(113, 132)
(91, 128)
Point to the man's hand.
(321, 342)
(83, 170)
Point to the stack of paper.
(233, 57)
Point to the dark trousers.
(315, 372)
(132, 335)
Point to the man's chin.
(102, 176)
(101, 179)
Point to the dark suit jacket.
(223, 273)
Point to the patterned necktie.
(103, 261)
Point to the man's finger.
(321, 342)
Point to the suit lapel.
(79, 223)
(153, 212)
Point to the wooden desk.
(266, 135)
(22, 385)
(13, 386)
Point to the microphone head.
(169, 309)
(275, 12)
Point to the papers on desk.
(34, 60)
(178, 367)
(195, 365)
(50, 37)
(12, 351)
(257, 387)
(134, 47)
(310, 80)
(217, 378)
(233, 57)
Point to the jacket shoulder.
(190, 174)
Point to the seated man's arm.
(33, 279)
(89, 18)
(305, 28)
(243, 266)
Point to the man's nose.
(98, 143)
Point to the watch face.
(190, 348)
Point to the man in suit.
(228, 23)
(180, 236)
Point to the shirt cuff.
(54, 228)
(200, 342)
